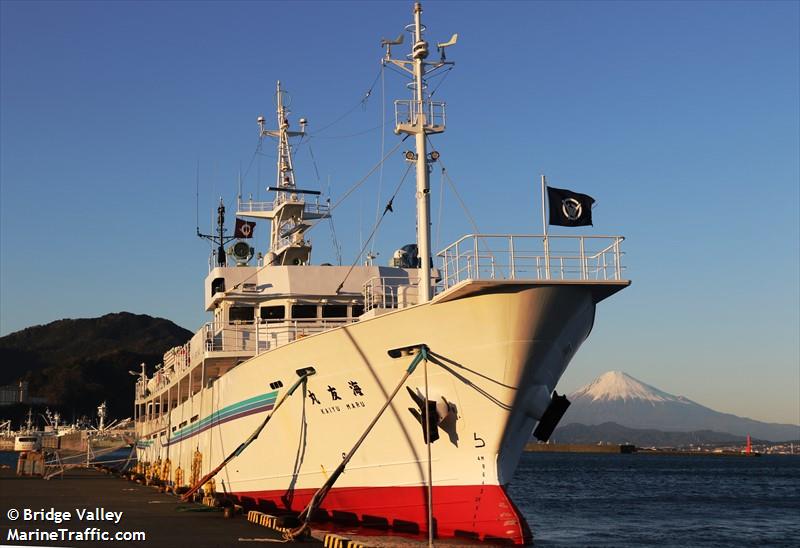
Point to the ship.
(395, 397)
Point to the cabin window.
(334, 311)
(273, 312)
(304, 311)
(218, 285)
(241, 314)
(357, 310)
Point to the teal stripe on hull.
(243, 406)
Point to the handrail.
(531, 257)
(390, 292)
(245, 339)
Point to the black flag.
(244, 229)
(569, 208)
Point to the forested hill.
(76, 364)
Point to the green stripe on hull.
(250, 403)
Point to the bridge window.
(218, 285)
(304, 311)
(241, 314)
(334, 311)
(273, 312)
(357, 310)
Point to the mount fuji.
(617, 397)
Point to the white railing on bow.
(531, 257)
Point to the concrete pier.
(34, 513)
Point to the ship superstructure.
(494, 319)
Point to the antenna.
(197, 197)
(443, 45)
(220, 238)
(389, 43)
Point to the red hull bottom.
(478, 512)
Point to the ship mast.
(420, 117)
(284, 181)
(290, 214)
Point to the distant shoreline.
(617, 449)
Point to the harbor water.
(572, 499)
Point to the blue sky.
(680, 118)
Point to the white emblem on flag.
(571, 208)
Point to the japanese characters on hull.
(334, 397)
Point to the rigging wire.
(439, 84)
(383, 150)
(315, 136)
(441, 206)
(400, 72)
(197, 196)
(455, 191)
(471, 219)
(336, 247)
(361, 103)
(252, 159)
(386, 209)
(367, 176)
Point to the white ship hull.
(502, 348)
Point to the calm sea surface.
(647, 500)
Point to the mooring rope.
(428, 443)
(323, 491)
(239, 450)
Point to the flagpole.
(544, 227)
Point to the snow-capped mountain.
(617, 397)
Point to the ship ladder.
(322, 492)
(239, 450)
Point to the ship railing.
(222, 337)
(177, 358)
(531, 257)
(252, 206)
(390, 292)
(296, 238)
(407, 113)
(254, 337)
(271, 334)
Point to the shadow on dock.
(85, 493)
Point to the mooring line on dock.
(239, 450)
(323, 491)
